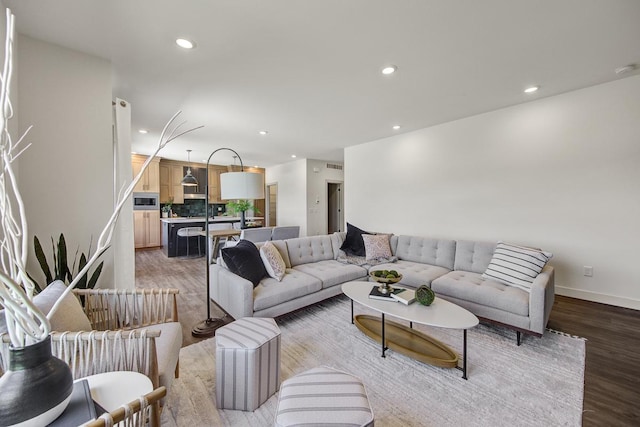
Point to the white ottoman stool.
(247, 363)
(323, 397)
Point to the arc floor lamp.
(233, 186)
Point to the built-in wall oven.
(146, 201)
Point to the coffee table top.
(440, 313)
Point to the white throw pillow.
(272, 260)
(376, 246)
(69, 316)
(516, 265)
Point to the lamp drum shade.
(241, 185)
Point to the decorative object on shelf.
(233, 186)
(425, 295)
(385, 278)
(61, 265)
(28, 327)
(189, 180)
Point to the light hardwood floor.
(613, 342)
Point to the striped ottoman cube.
(247, 363)
(323, 397)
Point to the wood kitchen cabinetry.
(150, 181)
(171, 174)
(147, 231)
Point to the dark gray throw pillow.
(244, 260)
(353, 243)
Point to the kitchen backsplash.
(196, 208)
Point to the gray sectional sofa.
(453, 269)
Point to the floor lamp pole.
(207, 328)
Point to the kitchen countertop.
(217, 219)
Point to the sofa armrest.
(541, 299)
(231, 292)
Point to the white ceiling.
(309, 71)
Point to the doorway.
(335, 201)
(272, 205)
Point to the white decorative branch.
(25, 322)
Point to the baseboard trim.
(599, 297)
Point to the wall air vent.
(334, 166)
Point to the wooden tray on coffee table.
(407, 341)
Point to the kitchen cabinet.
(147, 231)
(150, 181)
(171, 175)
(214, 182)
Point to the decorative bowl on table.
(385, 278)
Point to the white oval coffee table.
(406, 340)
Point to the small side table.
(113, 389)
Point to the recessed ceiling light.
(389, 69)
(143, 131)
(396, 127)
(293, 156)
(256, 166)
(185, 43)
(263, 132)
(531, 89)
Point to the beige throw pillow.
(69, 316)
(376, 246)
(273, 262)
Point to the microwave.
(146, 201)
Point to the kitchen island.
(170, 226)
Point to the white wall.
(318, 176)
(291, 178)
(561, 173)
(66, 176)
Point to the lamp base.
(207, 328)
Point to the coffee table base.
(407, 341)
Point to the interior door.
(334, 207)
(272, 205)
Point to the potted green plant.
(241, 207)
(166, 208)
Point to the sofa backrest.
(473, 256)
(304, 250)
(425, 250)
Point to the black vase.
(37, 387)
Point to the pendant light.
(189, 180)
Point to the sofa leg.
(519, 336)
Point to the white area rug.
(539, 383)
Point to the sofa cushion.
(376, 246)
(426, 250)
(469, 286)
(516, 265)
(473, 256)
(304, 250)
(353, 243)
(168, 346)
(273, 262)
(69, 316)
(414, 273)
(244, 260)
(332, 272)
(294, 284)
